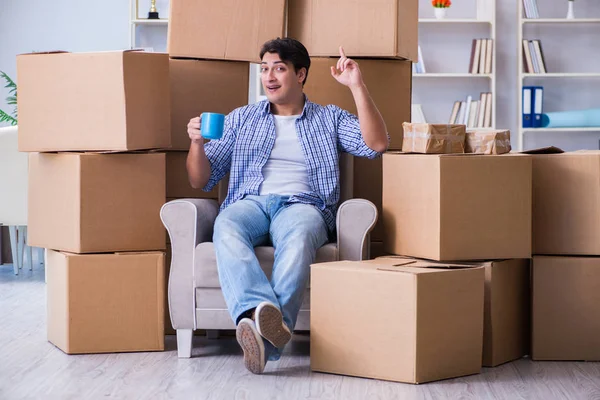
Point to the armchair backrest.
(346, 180)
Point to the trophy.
(153, 14)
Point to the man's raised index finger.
(342, 52)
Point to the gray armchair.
(194, 292)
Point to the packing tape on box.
(492, 146)
(488, 143)
(448, 137)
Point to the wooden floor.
(32, 368)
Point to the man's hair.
(289, 50)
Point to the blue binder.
(537, 97)
(527, 111)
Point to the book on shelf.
(487, 122)
(473, 113)
(416, 114)
(467, 110)
(462, 110)
(539, 54)
(488, 56)
(419, 66)
(454, 114)
(481, 56)
(533, 57)
(536, 66)
(471, 123)
(530, 9)
(481, 115)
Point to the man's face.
(279, 79)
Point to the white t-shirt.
(285, 171)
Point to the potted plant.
(11, 100)
(439, 7)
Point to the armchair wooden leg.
(13, 247)
(184, 343)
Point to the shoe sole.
(269, 323)
(253, 347)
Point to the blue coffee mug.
(212, 125)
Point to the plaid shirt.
(248, 139)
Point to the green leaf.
(10, 100)
(4, 117)
(9, 82)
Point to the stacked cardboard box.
(466, 207)
(95, 190)
(209, 72)
(384, 52)
(403, 304)
(397, 320)
(566, 262)
(402, 339)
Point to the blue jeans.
(296, 231)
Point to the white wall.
(35, 25)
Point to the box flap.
(410, 153)
(44, 52)
(393, 262)
(396, 264)
(85, 52)
(86, 152)
(544, 150)
(155, 150)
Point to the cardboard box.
(178, 184)
(105, 303)
(94, 203)
(506, 328)
(457, 207)
(487, 141)
(93, 101)
(367, 184)
(389, 83)
(386, 28)
(417, 324)
(223, 30)
(199, 86)
(566, 199)
(506, 322)
(566, 301)
(433, 138)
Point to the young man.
(282, 156)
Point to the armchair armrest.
(355, 220)
(188, 222)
